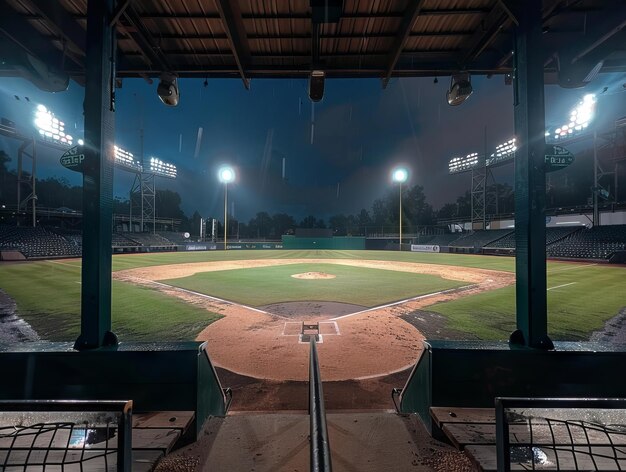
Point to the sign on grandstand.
(424, 248)
(73, 159)
(557, 157)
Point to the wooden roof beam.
(230, 14)
(410, 15)
(20, 32)
(63, 24)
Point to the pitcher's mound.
(313, 275)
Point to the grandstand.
(149, 240)
(481, 238)
(440, 239)
(36, 242)
(552, 235)
(597, 243)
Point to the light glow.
(579, 118)
(226, 174)
(126, 159)
(462, 164)
(400, 175)
(162, 168)
(50, 128)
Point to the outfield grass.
(357, 285)
(130, 261)
(48, 298)
(48, 293)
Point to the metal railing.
(561, 433)
(48, 435)
(320, 447)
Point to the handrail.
(320, 447)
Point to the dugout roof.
(289, 38)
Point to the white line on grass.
(64, 263)
(564, 285)
(216, 299)
(428, 295)
(581, 266)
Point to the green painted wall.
(341, 242)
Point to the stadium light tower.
(579, 119)
(400, 175)
(50, 128)
(226, 175)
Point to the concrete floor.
(271, 442)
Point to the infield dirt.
(367, 344)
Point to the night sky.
(361, 132)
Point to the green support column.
(530, 179)
(98, 179)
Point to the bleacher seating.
(173, 236)
(599, 242)
(122, 241)
(148, 239)
(36, 242)
(479, 239)
(553, 235)
(441, 239)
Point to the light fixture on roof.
(168, 89)
(316, 85)
(460, 88)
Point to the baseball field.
(373, 307)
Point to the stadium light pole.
(400, 174)
(226, 175)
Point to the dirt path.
(368, 344)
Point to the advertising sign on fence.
(424, 248)
(201, 247)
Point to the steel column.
(530, 179)
(98, 178)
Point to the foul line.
(65, 264)
(571, 268)
(380, 307)
(203, 295)
(564, 285)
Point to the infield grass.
(260, 286)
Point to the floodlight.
(81, 142)
(460, 88)
(226, 174)
(162, 168)
(50, 128)
(400, 175)
(168, 89)
(579, 118)
(504, 152)
(126, 159)
(462, 164)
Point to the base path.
(365, 344)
